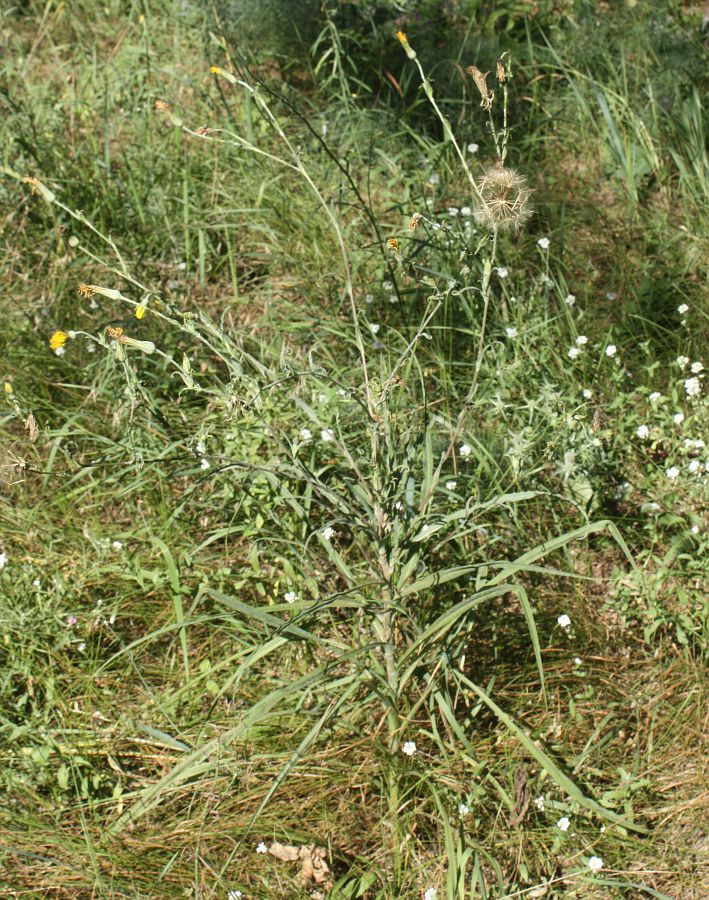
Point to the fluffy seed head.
(504, 199)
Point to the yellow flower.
(139, 312)
(393, 243)
(214, 70)
(58, 339)
(9, 390)
(406, 45)
(86, 290)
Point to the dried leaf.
(31, 426)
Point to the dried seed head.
(481, 83)
(501, 74)
(504, 199)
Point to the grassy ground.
(380, 567)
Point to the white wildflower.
(200, 448)
(473, 148)
(453, 211)
(451, 485)
(678, 418)
(696, 368)
(694, 466)
(434, 178)
(465, 450)
(305, 434)
(564, 621)
(611, 350)
(570, 299)
(581, 340)
(465, 211)
(672, 472)
(463, 810)
(409, 748)
(368, 298)
(262, 848)
(655, 395)
(682, 361)
(393, 298)
(511, 332)
(117, 545)
(430, 894)
(59, 351)
(290, 596)
(595, 863)
(374, 328)
(3, 562)
(694, 529)
(234, 895)
(692, 387)
(502, 272)
(574, 352)
(540, 804)
(204, 464)
(642, 432)
(388, 285)
(327, 435)
(682, 309)
(328, 533)
(587, 393)
(543, 243)
(563, 823)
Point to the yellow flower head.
(392, 243)
(86, 290)
(9, 390)
(406, 45)
(58, 339)
(139, 312)
(214, 70)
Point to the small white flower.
(696, 368)
(692, 387)
(463, 810)
(81, 647)
(473, 148)
(611, 295)
(672, 472)
(262, 848)
(399, 506)
(465, 211)
(564, 621)
(642, 432)
(393, 298)
(511, 332)
(60, 351)
(436, 226)
(368, 298)
(587, 393)
(570, 299)
(581, 340)
(545, 279)
(694, 466)
(574, 352)
(543, 243)
(234, 895)
(305, 434)
(434, 178)
(540, 804)
(374, 328)
(117, 545)
(682, 361)
(3, 561)
(36, 583)
(682, 309)
(328, 533)
(655, 395)
(678, 418)
(563, 823)
(388, 285)
(694, 529)
(453, 211)
(204, 464)
(465, 450)
(290, 596)
(611, 350)
(451, 485)
(327, 435)
(200, 448)
(322, 398)
(430, 894)
(595, 863)
(409, 748)
(577, 661)
(502, 272)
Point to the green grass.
(340, 500)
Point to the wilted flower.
(409, 748)
(504, 199)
